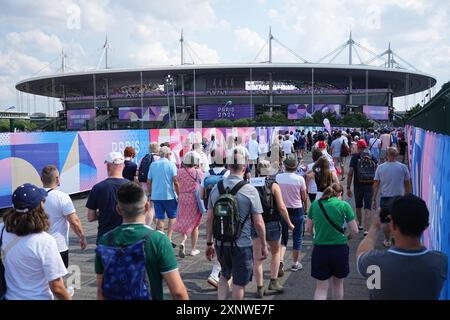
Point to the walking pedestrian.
(232, 203)
(293, 189)
(330, 256)
(102, 200)
(34, 269)
(163, 189)
(391, 179)
(189, 215)
(61, 213)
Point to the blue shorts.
(236, 262)
(330, 261)
(297, 217)
(163, 207)
(273, 231)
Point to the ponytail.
(332, 191)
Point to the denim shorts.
(163, 207)
(236, 262)
(273, 231)
(297, 218)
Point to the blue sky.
(143, 33)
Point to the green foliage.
(241, 123)
(222, 123)
(356, 119)
(411, 112)
(19, 124)
(4, 125)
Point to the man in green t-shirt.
(160, 261)
(330, 256)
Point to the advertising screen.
(76, 119)
(304, 111)
(376, 112)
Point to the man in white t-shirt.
(61, 212)
(386, 142)
(254, 151)
(287, 146)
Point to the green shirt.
(339, 212)
(158, 251)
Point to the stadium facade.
(174, 95)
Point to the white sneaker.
(195, 252)
(296, 266)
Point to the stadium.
(175, 96)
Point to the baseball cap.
(361, 144)
(115, 158)
(291, 161)
(27, 197)
(322, 145)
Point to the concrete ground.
(195, 270)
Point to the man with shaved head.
(392, 179)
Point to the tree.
(411, 112)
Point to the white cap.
(115, 158)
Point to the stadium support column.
(108, 103)
(183, 98)
(312, 90)
(195, 101)
(251, 83)
(350, 90)
(367, 88)
(142, 100)
(94, 85)
(271, 91)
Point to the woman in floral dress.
(189, 215)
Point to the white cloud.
(202, 52)
(34, 40)
(153, 54)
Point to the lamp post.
(13, 107)
(170, 81)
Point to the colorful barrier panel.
(430, 172)
(80, 156)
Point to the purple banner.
(152, 113)
(76, 119)
(376, 112)
(304, 111)
(231, 112)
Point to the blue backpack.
(211, 181)
(125, 273)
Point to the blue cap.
(27, 197)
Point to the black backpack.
(365, 169)
(144, 167)
(270, 211)
(227, 226)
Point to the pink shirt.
(291, 184)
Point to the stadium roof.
(379, 77)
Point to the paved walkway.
(195, 270)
